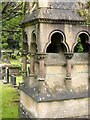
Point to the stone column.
(31, 79)
(68, 69)
(24, 54)
(32, 64)
(41, 58)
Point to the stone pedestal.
(40, 102)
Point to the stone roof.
(55, 11)
(61, 5)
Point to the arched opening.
(25, 42)
(82, 43)
(33, 45)
(56, 45)
(33, 52)
(25, 53)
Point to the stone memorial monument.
(58, 83)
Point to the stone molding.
(51, 21)
(41, 56)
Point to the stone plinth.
(46, 105)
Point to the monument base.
(38, 106)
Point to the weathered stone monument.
(13, 80)
(7, 75)
(58, 84)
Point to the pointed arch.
(33, 44)
(25, 41)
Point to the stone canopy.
(61, 11)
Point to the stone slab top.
(40, 92)
(8, 65)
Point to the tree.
(84, 10)
(12, 14)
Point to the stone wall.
(56, 70)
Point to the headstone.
(13, 80)
(7, 74)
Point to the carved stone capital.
(32, 75)
(31, 53)
(41, 56)
(68, 78)
(24, 73)
(41, 79)
(24, 52)
(68, 55)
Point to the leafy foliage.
(79, 47)
(84, 10)
(12, 14)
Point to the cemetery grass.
(10, 100)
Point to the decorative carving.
(24, 52)
(24, 73)
(41, 56)
(31, 53)
(41, 79)
(68, 78)
(68, 55)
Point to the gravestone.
(7, 74)
(13, 80)
(57, 86)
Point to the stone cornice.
(51, 21)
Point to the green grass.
(0, 100)
(15, 62)
(9, 97)
(10, 100)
